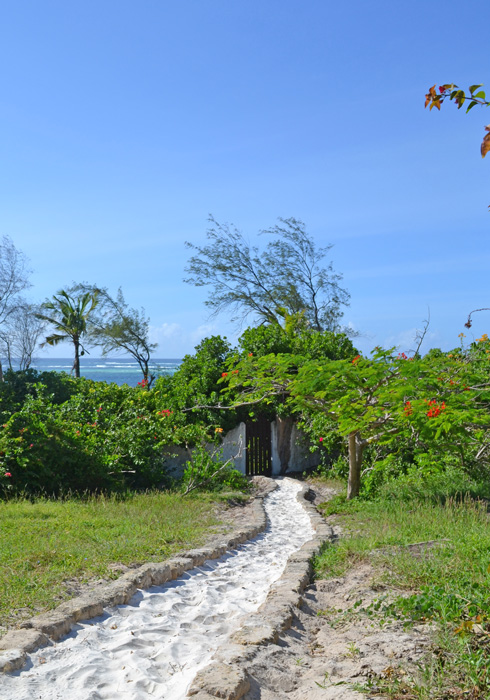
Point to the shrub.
(207, 470)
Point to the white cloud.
(175, 341)
(165, 331)
(203, 331)
(407, 340)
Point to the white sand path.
(154, 646)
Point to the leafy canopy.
(437, 403)
(68, 312)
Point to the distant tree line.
(285, 286)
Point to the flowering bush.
(386, 407)
(103, 437)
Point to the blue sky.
(123, 125)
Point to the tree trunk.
(76, 362)
(2, 378)
(355, 460)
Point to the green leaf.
(470, 106)
(480, 95)
(474, 87)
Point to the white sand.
(154, 646)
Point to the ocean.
(119, 370)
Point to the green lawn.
(47, 542)
(447, 582)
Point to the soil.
(327, 651)
(332, 647)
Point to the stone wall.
(289, 450)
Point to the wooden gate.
(259, 448)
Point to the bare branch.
(469, 322)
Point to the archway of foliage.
(434, 406)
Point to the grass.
(46, 543)
(445, 580)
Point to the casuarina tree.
(287, 278)
(117, 328)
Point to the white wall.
(233, 445)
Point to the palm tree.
(69, 317)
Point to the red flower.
(8, 474)
(356, 358)
(224, 374)
(321, 439)
(250, 354)
(434, 409)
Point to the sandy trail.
(154, 646)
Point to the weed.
(325, 681)
(353, 651)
